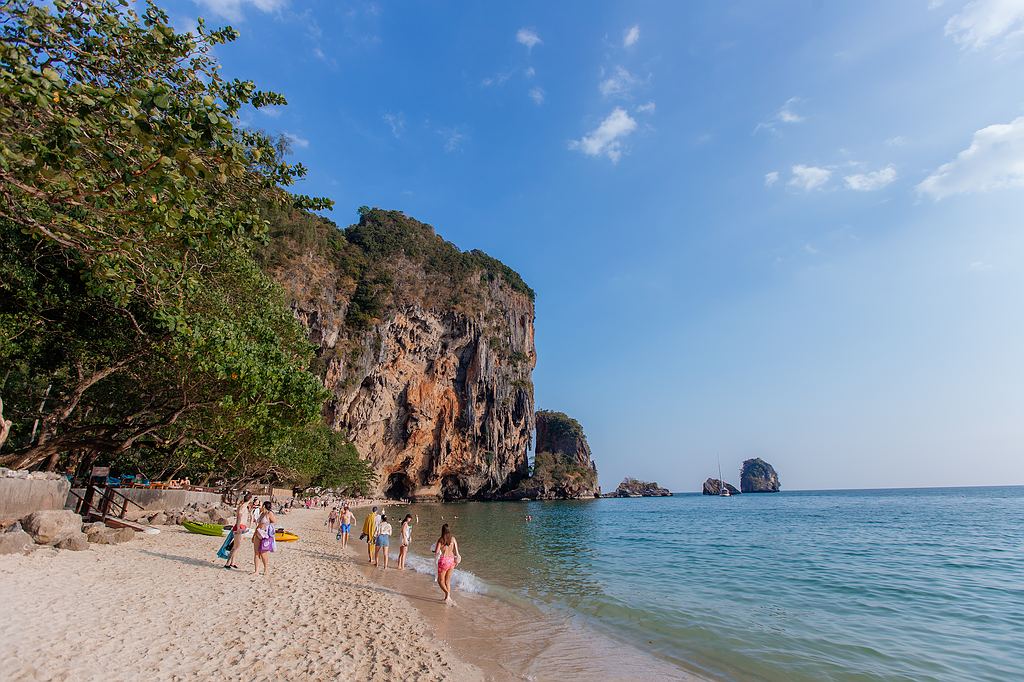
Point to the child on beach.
(345, 526)
(406, 536)
(446, 549)
(263, 539)
(383, 540)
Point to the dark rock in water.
(562, 468)
(712, 486)
(758, 476)
(631, 487)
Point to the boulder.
(50, 526)
(15, 542)
(76, 542)
(712, 487)
(758, 476)
(158, 519)
(220, 516)
(110, 536)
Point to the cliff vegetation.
(136, 326)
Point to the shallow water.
(884, 584)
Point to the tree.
(135, 323)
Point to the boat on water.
(723, 491)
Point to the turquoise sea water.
(924, 584)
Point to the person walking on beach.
(332, 518)
(446, 549)
(383, 540)
(263, 539)
(345, 526)
(406, 535)
(370, 533)
(242, 520)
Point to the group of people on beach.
(259, 521)
(377, 530)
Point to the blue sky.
(789, 230)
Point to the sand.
(162, 608)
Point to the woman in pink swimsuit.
(446, 549)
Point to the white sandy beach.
(163, 608)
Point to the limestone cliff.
(758, 476)
(428, 351)
(562, 468)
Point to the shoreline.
(510, 637)
(323, 613)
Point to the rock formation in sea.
(712, 486)
(758, 476)
(631, 487)
(427, 350)
(562, 468)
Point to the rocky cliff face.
(758, 476)
(562, 468)
(427, 351)
(713, 486)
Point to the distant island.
(631, 487)
(756, 476)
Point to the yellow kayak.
(285, 536)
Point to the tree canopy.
(136, 325)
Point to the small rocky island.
(758, 476)
(562, 468)
(713, 486)
(631, 487)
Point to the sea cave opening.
(399, 487)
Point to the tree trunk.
(5, 425)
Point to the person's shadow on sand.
(183, 559)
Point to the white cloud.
(771, 178)
(995, 160)
(979, 266)
(786, 114)
(808, 178)
(897, 141)
(530, 72)
(606, 139)
(453, 138)
(528, 37)
(497, 79)
(811, 249)
(296, 140)
(871, 181)
(631, 36)
(396, 122)
(537, 95)
(983, 22)
(646, 108)
(273, 111)
(234, 10)
(621, 82)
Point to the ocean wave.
(461, 580)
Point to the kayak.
(204, 528)
(285, 536)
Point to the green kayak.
(204, 528)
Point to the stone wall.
(20, 497)
(153, 499)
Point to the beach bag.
(266, 544)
